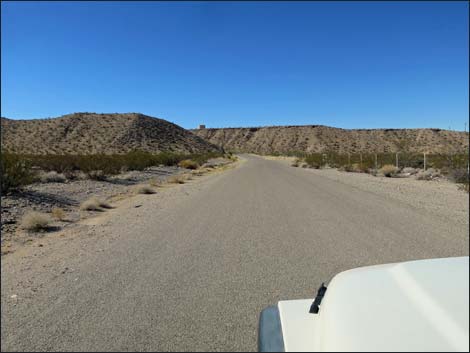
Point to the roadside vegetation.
(16, 171)
(451, 166)
(139, 173)
(19, 170)
(35, 221)
(94, 204)
(144, 189)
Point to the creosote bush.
(100, 166)
(15, 171)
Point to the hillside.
(317, 138)
(89, 133)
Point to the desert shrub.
(35, 221)
(58, 213)
(176, 179)
(358, 168)
(201, 158)
(389, 170)
(459, 176)
(188, 164)
(100, 166)
(92, 204)
(167, 158)
(412, 160)
(52, 177)
(144, 189)
(16, 171)
(138, 160)
(155, 182)
(354, 168)
(314, 160)
(96, 175)
(295, 163)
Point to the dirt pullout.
(440, 197)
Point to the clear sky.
(343, 64)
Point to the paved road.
(194, 273)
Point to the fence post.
(349, 158)
(396, 158)
(424, 161)
(360, 156)
(376, 165)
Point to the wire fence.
(444, 162)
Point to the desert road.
(191, 267)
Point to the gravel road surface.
(191, 267)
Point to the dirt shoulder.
(439, 197)
(68, 196)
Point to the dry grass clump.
(35, 221)
(94, 204)
(176, 179)
(188, 164)
(354, 168)
(103, 204)
(144, 189)
(58, 213)
(389, 170)
(197, 172)
(52, 177)
(295, 163)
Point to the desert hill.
(317, 138)
(89, 133)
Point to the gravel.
(68, 195)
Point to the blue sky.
(343, 64)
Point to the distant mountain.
(317, 138)
(89, 133)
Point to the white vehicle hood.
(418, 306)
